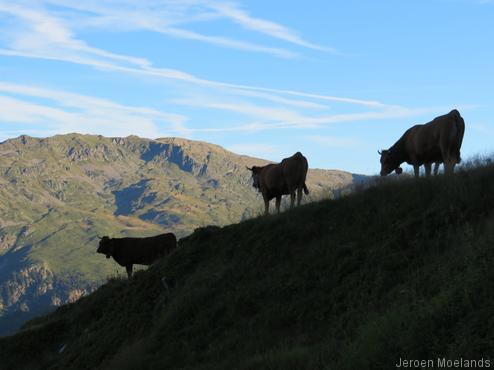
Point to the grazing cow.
(139, 251)
(275, 180)
(438, 141)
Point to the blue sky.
(337, 80)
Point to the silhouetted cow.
(275, 180)
(137, 251)
(438, 141)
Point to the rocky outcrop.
(35, 289)
(7, 241)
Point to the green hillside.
(58, 193)
(403, 269)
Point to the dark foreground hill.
(403, 269)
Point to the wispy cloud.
(170, 17)
(41, 35)
(271, 118)
(242, 17)
(284, 101)
(226, 42)
(265, 113)
(68, 112)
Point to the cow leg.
(129, 271)
(450, 159)
(278, 201)
(427, 167)
(453, 165)
(299, 196)
(454, 161)
(446, 167)
(416, 170)
(436, 168)
(292, 199)
(266, 206)
(449, 166)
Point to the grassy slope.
(402, 269)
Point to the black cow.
(137, 251)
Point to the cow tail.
(306, 191)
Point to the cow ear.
(399, 170)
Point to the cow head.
(256, 173)
(390, 162)
(105, 246)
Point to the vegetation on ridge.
(403, 269)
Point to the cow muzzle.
(108, 256)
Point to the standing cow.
(275, 180)
(137, 251)
(438, 141)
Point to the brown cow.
(275, 180)
(140, 251)
(438, 141)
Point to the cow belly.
(135, 260)
(145, 261)
(273, 193)
(430, 155)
